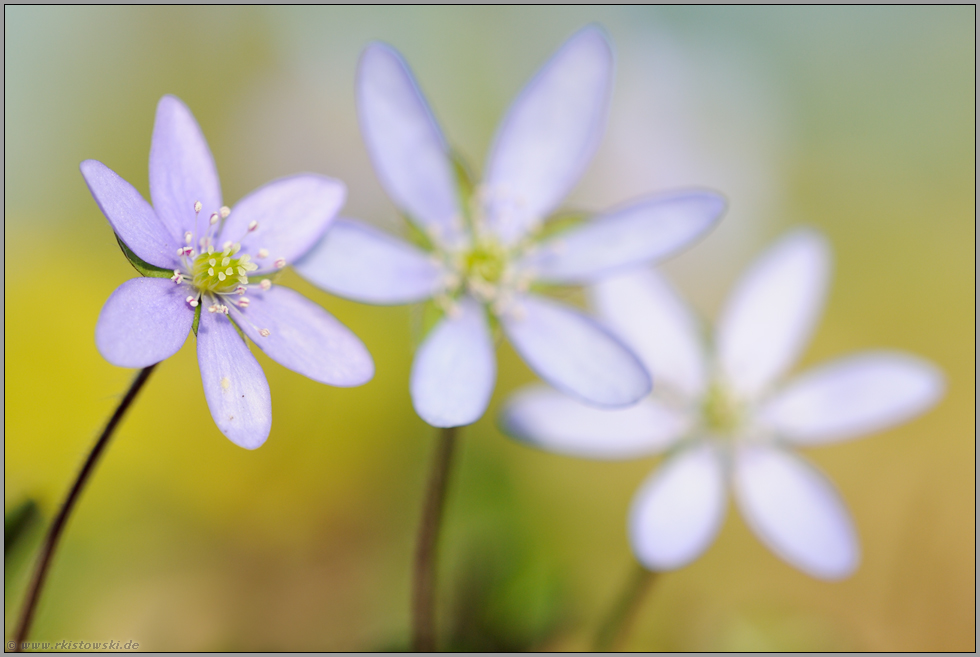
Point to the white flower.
(483, 257)
(725, 420)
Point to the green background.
(859, 122)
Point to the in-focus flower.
(484, 254)
(210, 269)
(724, 418)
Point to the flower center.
(487, 261)
(722, 412)
(221, 272)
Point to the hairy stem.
(424, 589)
(615, 629)
(58, 526)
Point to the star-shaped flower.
(483, 257)
(724, 418)
(211, 269)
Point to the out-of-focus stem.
(424, 586)
(58, 526)
(615, 629)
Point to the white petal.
(772, 312)
(645, 311)
(853, 396)
(574, 353)
(644, 232)
(678, 511)
(455, 369)
(356, 261)
(545, 418)
(409, 152)
(795, 511)
(549, 134)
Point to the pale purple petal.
(357, 261)
(573, 353)
(678, 511)
(130, 216)
(234, 383)
(795, 511)
(549, 135)
(407, 149)
(642, 233)
(645, 311)
(772, 312)
(549, 420)
(852, 397)
(182, 170)
(304, 337)
(291, 214)
(145, 321)
(455, 369)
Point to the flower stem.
(613, 632)
(423, 595)
(58, 526)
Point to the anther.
(213, 308)
(197, 206)
(243, 302)
(279, 263)
(177, 278)
(214, 218)
(263, 253)
(188, 237)
(240, 290)
(226, 247)
(265, 284)
(224, 210)
(252, 226)
(265, 333)
(192, 302)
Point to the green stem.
(58, 526)
(424, 590)
(614, 631)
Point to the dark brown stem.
(58, 526)
(424, 590)
(613, 632)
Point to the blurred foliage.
(859, 121)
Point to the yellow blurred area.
(859, 122)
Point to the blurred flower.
(723, 419)
(483, 256)
(197, 254)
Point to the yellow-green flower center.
(722, 413)
(223, 272)
(486, 261)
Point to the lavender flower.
(725, 421)
(198, 255)
(484, 255)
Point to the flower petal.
(130, 216)
(549, 420)
(549, 135)
(455, 369)
(573, 353)
(772, 312)
(145, 321)
(182, 170)
(795, 511)
(407, 149)
(359, 262)
(234, 383)
(643, 232)
(642, 309)
(304, 337)
(678, 511)
(292, 214)
(853, 396)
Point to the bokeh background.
(858, 121)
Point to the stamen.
(214, 219)
(252, 226)
(224, 210)
(213, 308)
(188, 237)
(243, 302)
(265, 332)
(226, 247)
(263, 253)
(197, 206)
(279, 263)
(192, 302)
(265, 284)
(240, 289)
(177, 278)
